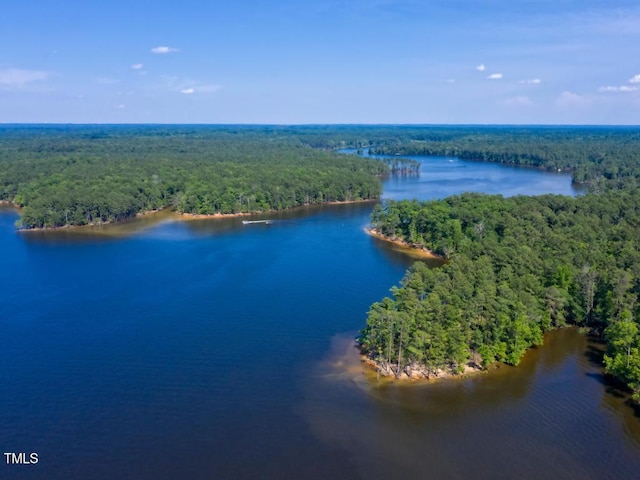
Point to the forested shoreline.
(79, 175)
(85, 174)
(601, 157)
(517, 268)
(520, 266)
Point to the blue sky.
(321, 61)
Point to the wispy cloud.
(569, 99)
(519, 101)
(164, 49)
(494, 76)
(620, 89)
(200, 89)
(137, 66)
(450, 80)
(623, 88)
(20, 78)
(481, 67)
(121, 106)
(532, 81)
(187, 86)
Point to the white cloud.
(494, 76)
(163, 49)
(533, 81)
(450, 80)
(481, 67)
(519, 101)
(622, 88)
(570, 99)
(635, 79)
(137, 66)
(200, 89)
(121, 106)
(187, 86)
(17, 77)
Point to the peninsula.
(87, 175)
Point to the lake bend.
(216, 349)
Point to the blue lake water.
(212, 349)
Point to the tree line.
(601, 157)
(517, 267)
(76, 175)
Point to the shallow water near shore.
(534, 419)
(213, 349)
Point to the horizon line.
(581, 125)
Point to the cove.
(213, 349)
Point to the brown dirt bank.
(200, 216)
(410, 247)
(152, 216)
(416, 372)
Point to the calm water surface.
(209, 349)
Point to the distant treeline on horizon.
(537, 263)
(78, 174)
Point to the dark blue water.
(212, 349)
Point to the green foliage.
(623, 352)
(602, 157)
(93, 174)
(517, 267)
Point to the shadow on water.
(403, 255)
(205, 226)
(540, 419)
(594, 353)
(97, 233)
(337, 212)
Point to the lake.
(167, 349)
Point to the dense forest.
(601, 157)
(91, 174)
(604, 157)
(517, 267)
(76, 175)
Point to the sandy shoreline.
(417, 373)
(174, 215)
(201, 216)
(419, 251)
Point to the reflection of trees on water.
(540, 419)
(337, 212)
(403, 256)
(99, 233)
(618, 398)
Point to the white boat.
(247, 222)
